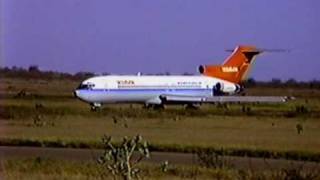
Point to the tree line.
(33, 72)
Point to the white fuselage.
(148, 89)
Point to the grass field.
(39, 168)
(48, 112)
(264, 126)
(54, 169)
(217, 131)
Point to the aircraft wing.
(223, 99)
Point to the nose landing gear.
(95, 106)
(192, 106)
(154, 106)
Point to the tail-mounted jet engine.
(239, 88)
(218, 89)
(201, 69)
(221, 89)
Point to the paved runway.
(13, 152)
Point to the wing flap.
(224, 99)
(248, 99)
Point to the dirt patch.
(3, 127)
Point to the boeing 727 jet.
(217, 83)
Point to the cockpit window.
(90, 86)
(83, 86)
(86, 86)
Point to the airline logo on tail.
(229, 69)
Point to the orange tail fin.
(236, 67)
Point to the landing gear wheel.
(158, 107)
(192, 107)
(147, 106)
(95, 107)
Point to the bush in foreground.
(118, 160)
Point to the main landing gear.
(154, 106)
(95, 106)
(192, 106)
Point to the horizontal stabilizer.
(261, 50)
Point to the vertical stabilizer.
(236, 67)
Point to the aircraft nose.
(75, 93)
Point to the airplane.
(216, 83)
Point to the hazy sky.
(151, 36)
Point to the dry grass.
(37, 168)
(272, 127)
(215, 131)
(268, 127)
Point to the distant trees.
(291, 82)
(33, 69)
(187, 74)
(34, 72)
(278, 83)
(275, 81)
(83, 75)
(250, 82)
(105, 73)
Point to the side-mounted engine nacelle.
(226, 88)
(220, 88)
